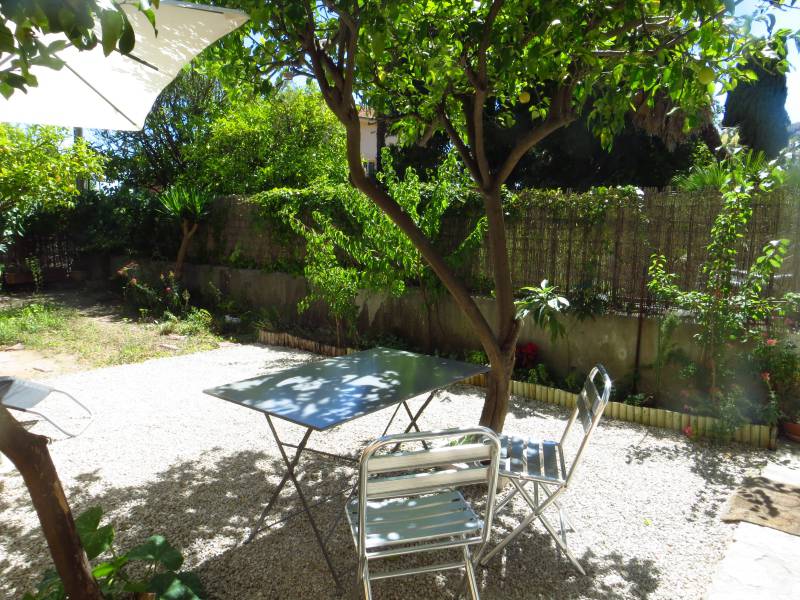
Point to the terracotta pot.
(792, 431)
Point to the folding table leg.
(290, 465)
(419, 412)
(414, 417)
(282, 483)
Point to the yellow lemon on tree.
(705, 75)
(524, 97)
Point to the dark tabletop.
(327, 393)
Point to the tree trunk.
(498, 391)
(188, 232)
(30, 456)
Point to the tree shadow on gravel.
(532, 567)
(721, 466)
(206, 507)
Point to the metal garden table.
(325, 394)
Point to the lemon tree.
(452, 65)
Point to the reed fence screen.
(607, 261)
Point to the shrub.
(778, 362)
(161, 562)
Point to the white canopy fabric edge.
(117, 92)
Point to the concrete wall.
(608, 339)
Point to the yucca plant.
(713, 176)
(188, 206)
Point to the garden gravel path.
(162, 457)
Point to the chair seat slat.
(534, 459)
(531, 459)
(395, 511)
(550, 454)
(414, 524)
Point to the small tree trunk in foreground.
(188, 231)
(30, 456)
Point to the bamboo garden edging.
(759, 436)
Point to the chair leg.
(561, 544)
(470, 575)
(502, 504)
(365, 580)
(504, 542)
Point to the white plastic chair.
(408, 502)
(542, 463)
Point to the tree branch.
(461, 147)
(560, 114)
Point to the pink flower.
(133, 280)
(688, 431)
(765, 376)
(168, 290)
(771, 342)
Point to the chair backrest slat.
(418, 483)
(429, 458)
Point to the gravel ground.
(161, 457)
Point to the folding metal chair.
(23, 395)
(542, 463)
(408, 502)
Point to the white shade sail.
(116, 92)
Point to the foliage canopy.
(38, 166)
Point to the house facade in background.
(370, 142)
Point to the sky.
(789, 19)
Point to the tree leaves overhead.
(38, 166)
(423, 62)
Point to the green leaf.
(89, 520)
(176, 586)
(97, 542)
(128, 38)
(110, 568)
(157, 549)
(112, 25)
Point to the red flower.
(771, 342)
(688, 431)
(526, 355)
(765, 376)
